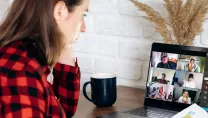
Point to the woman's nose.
(83, 27)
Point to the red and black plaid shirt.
(24, 90)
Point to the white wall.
(3, 7)
(120, 40)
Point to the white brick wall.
(126, 40)
(119, 41)
(3, 7)
(135, 49)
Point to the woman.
(36, 36)
(160, 94)
(190, 83)
(185, 98)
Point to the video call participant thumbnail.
(192, 66)
(190, 83)
(188, 80)
(185, 99)
(185, 96)
(191, 63)
(165, 63)
(160, 91)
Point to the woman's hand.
(66, 56)
(186, 100)
(184, 81)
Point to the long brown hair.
(34, 18)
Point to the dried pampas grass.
(184, 22)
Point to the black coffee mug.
(103, 89)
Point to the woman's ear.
(60, 12)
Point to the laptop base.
(144, 112)
(119, 115)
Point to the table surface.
(127, 98)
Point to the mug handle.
(84, 91)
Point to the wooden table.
(127, 98)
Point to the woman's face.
(191, 79)
(185, 94)
(71, 23)
(164, 60)
(192, 61)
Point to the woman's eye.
(84, 15)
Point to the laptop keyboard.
(152, 112)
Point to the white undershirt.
(189, 85)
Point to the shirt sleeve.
(66, 85)
(189, 100)
(180, 100)
(185, 85)
(22, 95)
(192, 85)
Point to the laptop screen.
(175, 77)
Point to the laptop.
(177, 78)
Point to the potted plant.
(184, 22)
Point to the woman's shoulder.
(15, 47)
(17, 55)
(12, 53)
